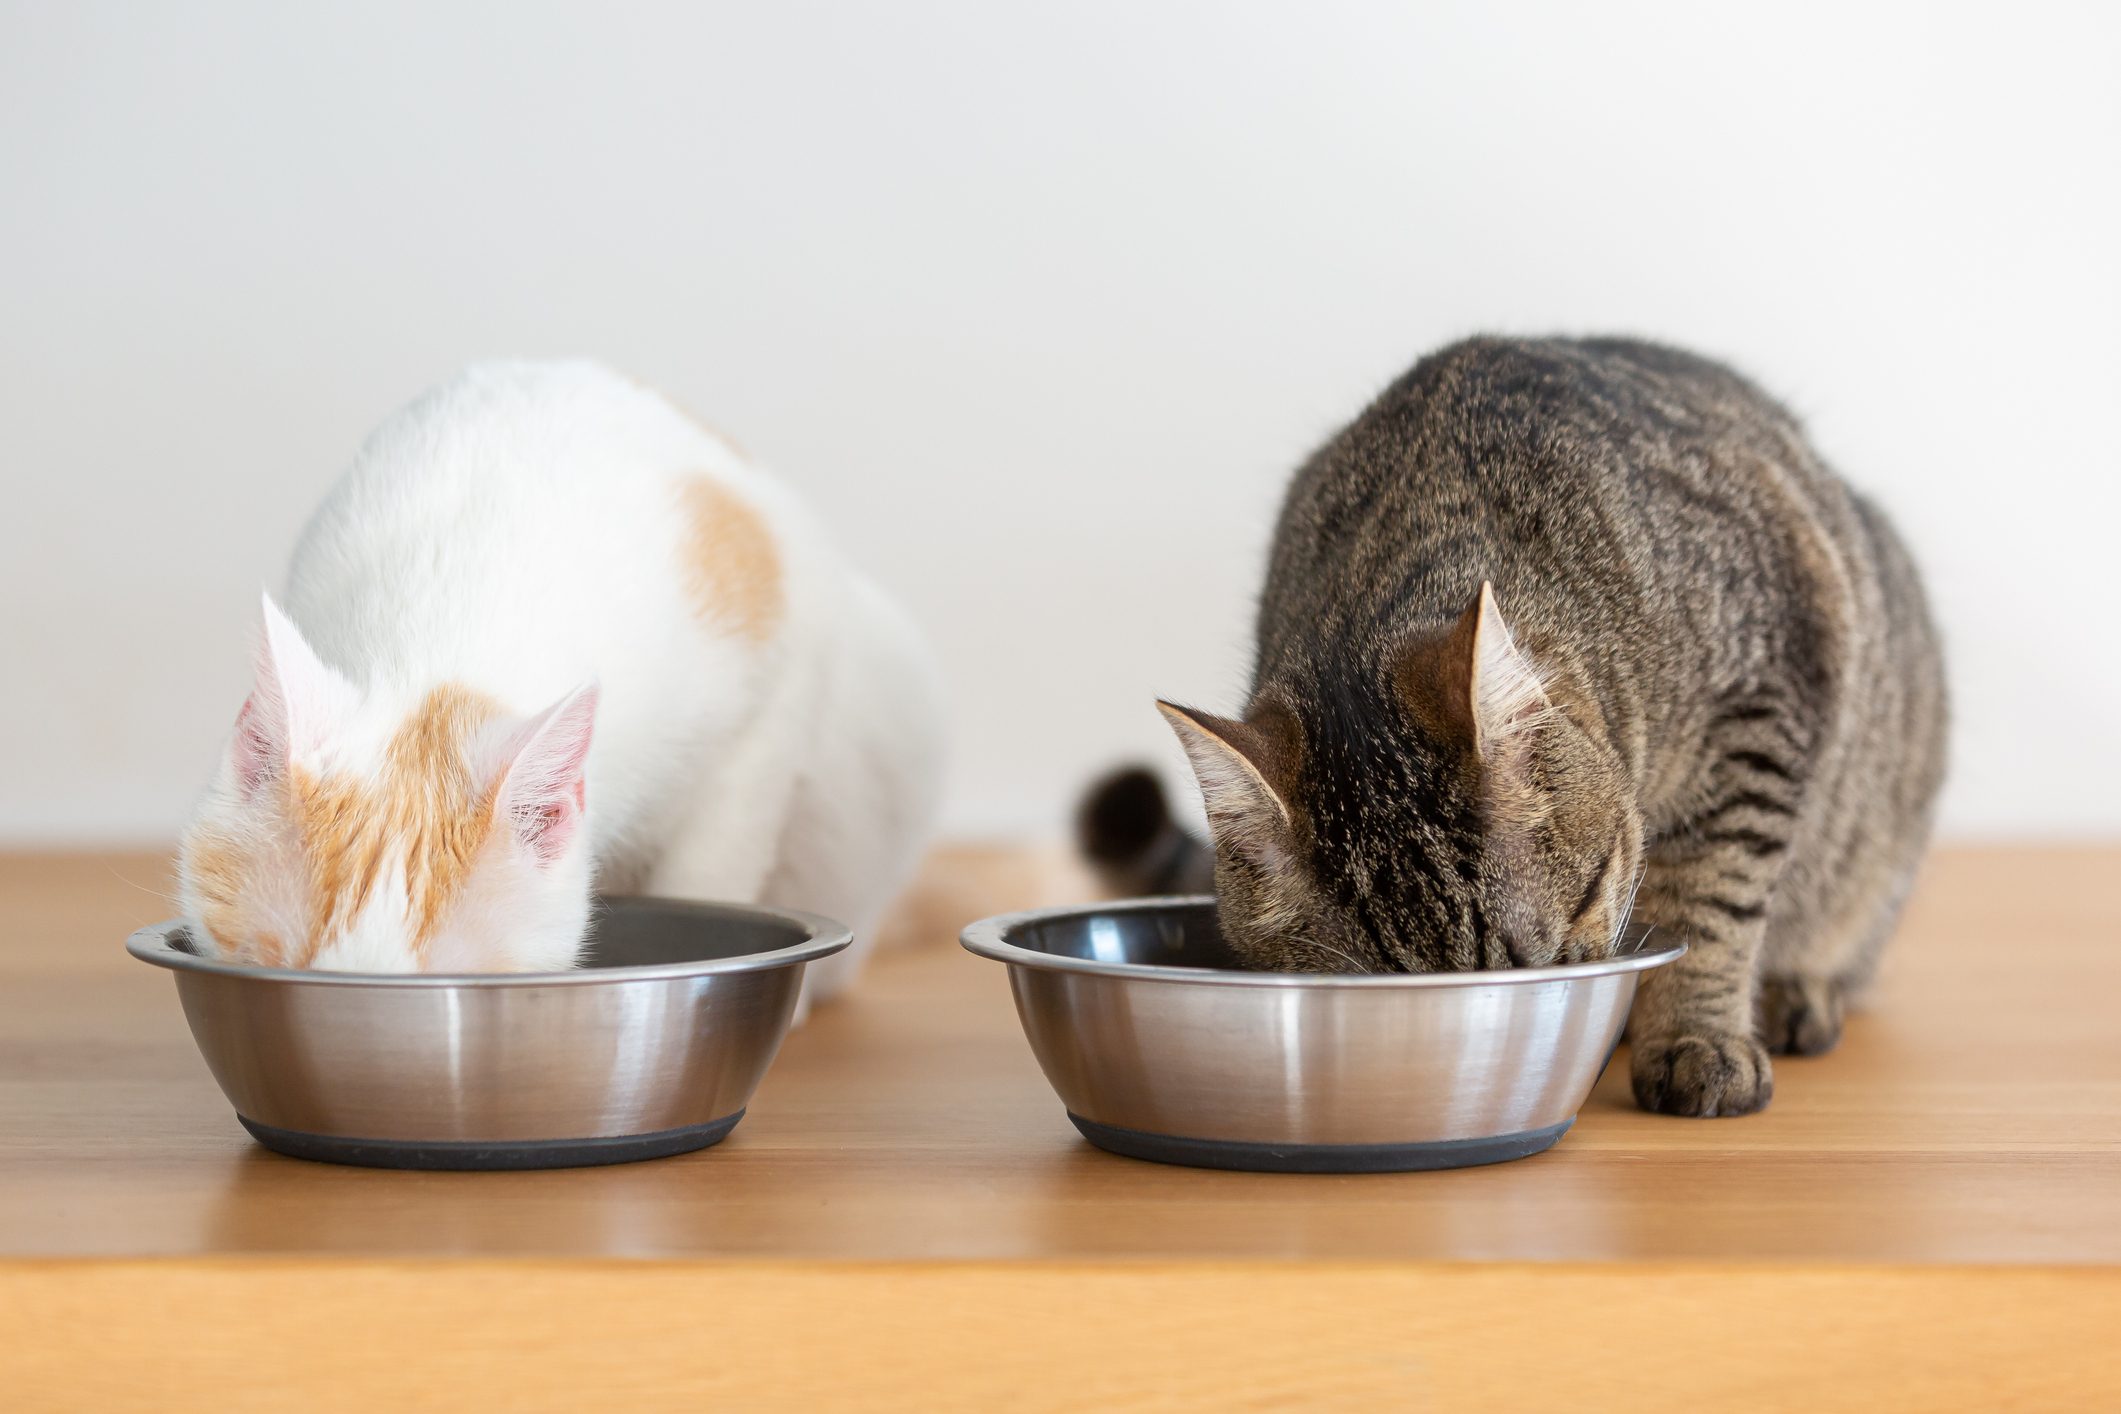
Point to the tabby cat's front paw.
(1800, 1016)
(1701, 1075)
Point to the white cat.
(549, 632)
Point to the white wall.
(1040, 309)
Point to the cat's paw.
(1702, 1075)
(1800, 1016)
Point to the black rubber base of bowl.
(510, 1154)
(1319, 1158)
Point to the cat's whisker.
(1353, 965)
(1627, 914)
(1412, 771)
(168, 898)
(503, 553)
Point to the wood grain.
(1930, 1218)
(1974, 1115)
(537, 1335)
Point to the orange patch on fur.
(732, 566)
(427, 813)
(216, 870)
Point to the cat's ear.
(293, 703)
(1477, 678)
(1237, 764)
(1508, 692)
(545, 791)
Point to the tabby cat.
(1554, 629)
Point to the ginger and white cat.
(550, 634)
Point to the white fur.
(518, 531)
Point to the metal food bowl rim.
(988, 938)
(823, 937)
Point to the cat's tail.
(1125, 830)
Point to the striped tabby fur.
(1553, 629)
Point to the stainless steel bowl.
(653, 1046)
(1162, 1047)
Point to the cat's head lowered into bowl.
(1433, 803)
(365, 828)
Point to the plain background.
(1039, 305)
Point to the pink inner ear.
(549, 827)
(257, 754)
(547, 789)
(546, 827)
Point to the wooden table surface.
(1971, 1116)
(1974, 1115)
